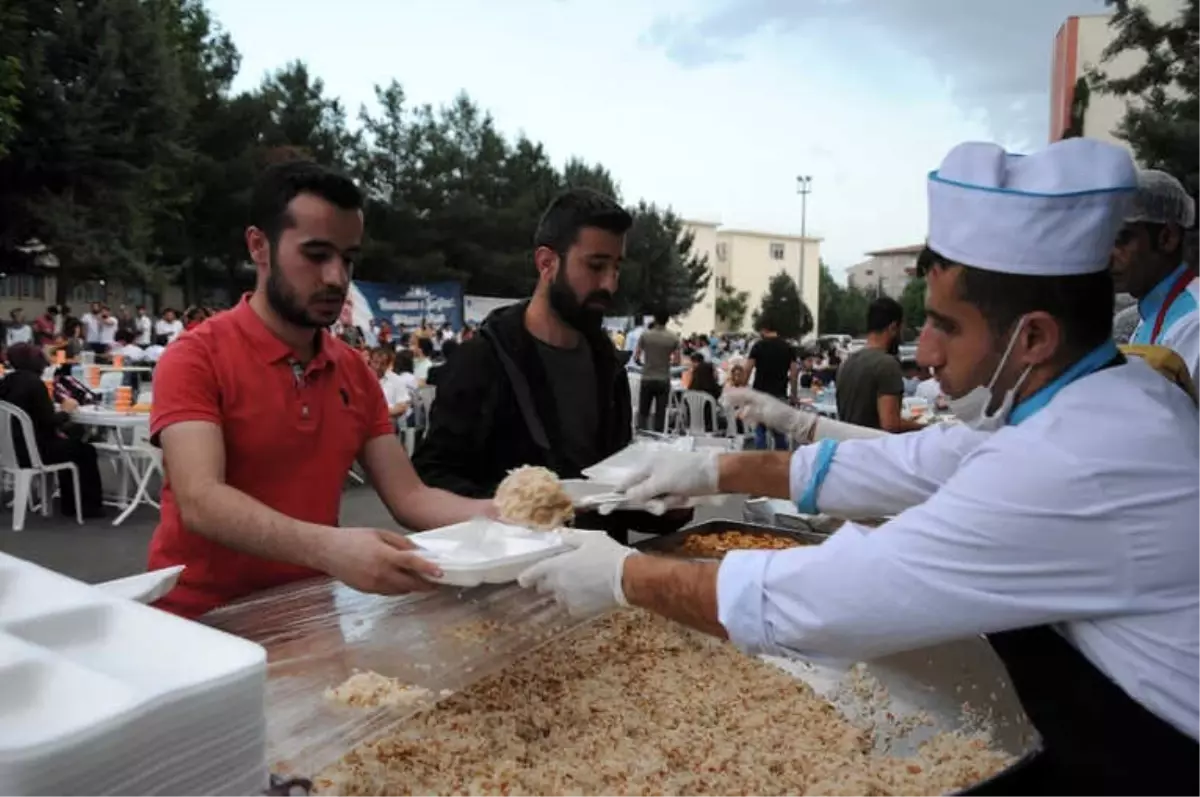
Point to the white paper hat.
(1161, 199)
(1056, 212)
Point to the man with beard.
(870, 384)
(540, 384)
(260, 413)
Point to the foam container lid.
(485, 551)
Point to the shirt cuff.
(741, 596)
(809, 467)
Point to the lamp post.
(803, 188)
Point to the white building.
(746, 260)
(886, 271)
(1078, 46)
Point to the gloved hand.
(586, 580)
(755, 407)
(673, 473)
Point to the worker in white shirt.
(1067, 530)
(1148, 261)
(169, 326)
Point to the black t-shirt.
(572, 375)
(863, 378)
(773, 358)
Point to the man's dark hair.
(404, 361)
(882, 313)
(575, 209)
(27, 357)
(661, 319)
(278, 185)
(1081, 303)
(448, 349)
(383, 351)
(426, 346)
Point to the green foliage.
(782, 310)
(913, 302)
(843, 310)
(1162, 122)
(131, 158)
(731, 307)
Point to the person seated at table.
(704, 380)
(72, 341)
(125, 348)
(738, 376)
(57, 440)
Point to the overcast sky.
(710, 106)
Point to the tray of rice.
(713, 539)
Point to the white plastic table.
(117, 422)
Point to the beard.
(283, 300)
(894, 347)
(585, 316)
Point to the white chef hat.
(1053, 213)
(1161, 199)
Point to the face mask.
(972, 407)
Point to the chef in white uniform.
(1067, 530)
(1148, 262)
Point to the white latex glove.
(755, 407)
(673, 473)
(586, 580)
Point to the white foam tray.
(91, 680)
(485, 551)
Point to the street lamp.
(803, 188)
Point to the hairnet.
(1161, 199)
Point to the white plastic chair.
(10, 465)
(110, 381)
(691, 414)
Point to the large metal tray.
(672, 544)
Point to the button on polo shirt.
(291, 434)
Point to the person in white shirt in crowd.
(422, 352)
(1063, 521)
(929, 389)
(396, 391)
(403, 368)
(19, 330)
(1149, 262)
(152, 352)
(169, 326)
(91, 326)
(126, 348)
(144, 325)
(106, 325)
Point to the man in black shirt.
(773, 361)
(870, 384)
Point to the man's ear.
(546, 261)
(259, 247)
(1042, 338)
(1170, 239)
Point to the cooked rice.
(637, 705)
(532, 496)
(372, 690)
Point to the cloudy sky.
(710, 106)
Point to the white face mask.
(971, 408)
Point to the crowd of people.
(1059, 517)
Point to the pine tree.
(782, 310)
(1162, 122)
(731, 307)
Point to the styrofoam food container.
(144, 587)
(485, 551)
(597, 496)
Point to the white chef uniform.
(1082, 514)
(1169, 315)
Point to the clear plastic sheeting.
(319, 633)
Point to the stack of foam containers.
(101, 695)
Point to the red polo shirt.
(289, 442)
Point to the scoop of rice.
(532, 496)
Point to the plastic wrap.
(318, 633)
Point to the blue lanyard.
(1092, 362)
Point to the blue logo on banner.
(437, 303)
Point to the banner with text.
(437, 303)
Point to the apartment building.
(1079, 45)
(746, 260)
(885, 271)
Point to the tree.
(782, 310)
(578, 174)
(731, 307)
(303, 119)
(101, 114)
(661, 273)
(843, 310)
(913, 302)
(1162, 118)
(12, 27)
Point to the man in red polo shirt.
(260, 413)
